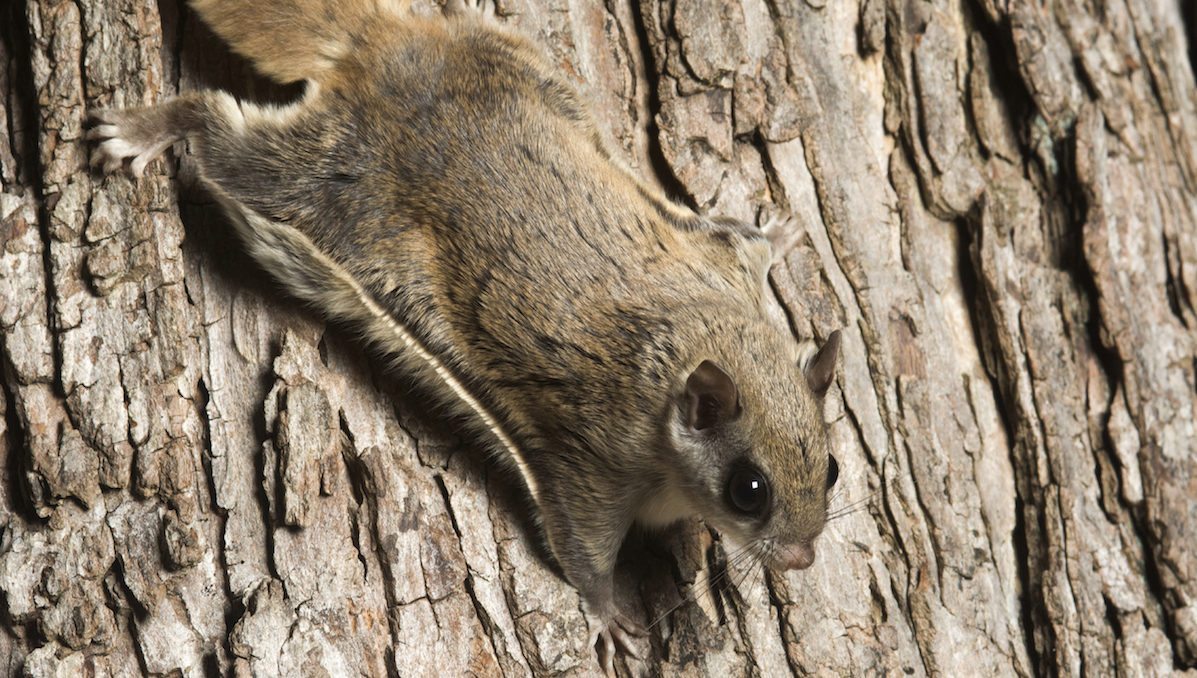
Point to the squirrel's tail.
(291, 40)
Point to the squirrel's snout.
(798, 556)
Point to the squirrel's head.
(750, 447)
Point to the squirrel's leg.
(586, 548)
(141, 134)
(225, 136)
(235, 142)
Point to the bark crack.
(488, 624)
(234, 607)
(16, 440)
(21, 114)
(656, 154)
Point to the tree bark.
(999, 204)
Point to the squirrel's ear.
(819, 367)
(711, 397)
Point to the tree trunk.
(999, 203)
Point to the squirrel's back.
(290, 40)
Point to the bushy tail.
(291, 40)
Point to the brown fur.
(296, 40)
(446, 191)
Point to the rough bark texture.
(1000, 206)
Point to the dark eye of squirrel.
(747, 491)
(833, 471)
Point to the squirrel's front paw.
(125, 135)
(608, 634)
(484, 9)
(783, 232)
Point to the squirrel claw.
(118, 139)
(783, 233)
(482, 8)
(618, 632)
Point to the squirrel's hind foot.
(122, 135)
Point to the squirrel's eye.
(747, 491)
(833, 471)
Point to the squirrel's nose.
(797, 556)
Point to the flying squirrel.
(442, 189)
